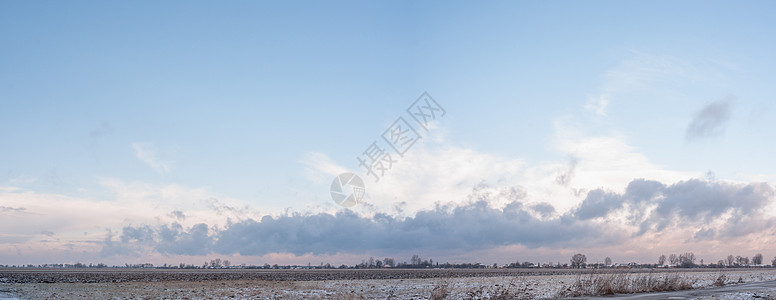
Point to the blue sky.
(252, 103)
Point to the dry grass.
(599, 284)
(440, 291)
(498, 291)
(720, 281)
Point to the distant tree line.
(687, 260)
(578, 260)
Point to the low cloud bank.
(719, 210)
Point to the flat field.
(346, 284)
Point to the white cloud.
(430, 174)
(598, 104)
(433, 173)
(8, 189)
(22, 180)
(147, 153)
(199, 204)
(688, 213)
(80, 224)
(320, 168)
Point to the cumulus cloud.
(111, 248)
(424, 176)
(196, 240)
(178, 215)
(566, 176)
(598, 204)
(147, 153)
(431, 173)
(463, 228)
(543, 209)
(720, 210)
(732, 209)
(710, 121)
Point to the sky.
(182, 131)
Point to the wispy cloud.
(147, 153)
(598, 104)
(11, 209)
(644, 73)
(101, 130)
(711, 120)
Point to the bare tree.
(773, 262)
(757, 259)
(215, 263)
(578, 260)
(730, 260)
(673, 259)
(687, 259)
(415, 260)
(389, 262)
(661, 260)
(607, 261)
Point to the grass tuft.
(598, 284)
(720, 281)
(440, 292)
